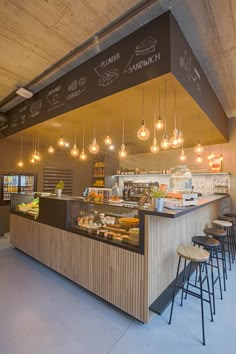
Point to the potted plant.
(59, 187)
(158, 198)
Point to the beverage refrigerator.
(17, 183)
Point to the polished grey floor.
(44, 313)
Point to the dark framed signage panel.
(157, 48)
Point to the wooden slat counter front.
(126, 279)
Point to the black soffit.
(155, 49)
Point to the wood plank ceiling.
(34, 34)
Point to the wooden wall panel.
(114, 274)
(163, 236)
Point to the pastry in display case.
(116, 224)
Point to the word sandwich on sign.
(145, 54)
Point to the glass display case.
(25, 204)
(114, 224)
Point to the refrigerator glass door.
(10, 185)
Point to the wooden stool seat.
(214, 232)
(222, 223)
(232, 215)
(192, 253)
(206, 241)
(226, 218)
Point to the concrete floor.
(44, 313)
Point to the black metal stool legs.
(175, 287)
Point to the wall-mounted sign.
(157, 48)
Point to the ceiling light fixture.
(20, 163)
(143, 132)
(199, 158)
(51, 150)
(165, 141)
(83, 155)
(123, 152)
(154, 147)
(182, 154)
(61, 141)
(24, 93)
(74, 151)
(94, 147)
(108, 140)
(159, 123)
(175, 142)
(37, 155)
(199, 148)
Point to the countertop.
(169, 213)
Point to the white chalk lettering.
(110, 60)
(143, 63)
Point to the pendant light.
(20, 163)
(123, 152)
(74, 151)
(32, 160)
(165, 141)
(61, 141)
(211, 155)
(199, 148)
(159, 123)
(182, 156)
(94, 147)
(180, 138)
(108, 140)
(37, 155)
(51, 150)
(199, 158)
(83, 155)
(174, 141)
(143, 132)
(154, 147)
(221, 155)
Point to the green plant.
(158, 194)
(60, 185)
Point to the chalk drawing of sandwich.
(147, 46)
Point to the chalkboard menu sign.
(153, 50)
(139, 57)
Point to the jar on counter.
(181, 179)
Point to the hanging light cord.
(143, 108)
(21, 147)
(165, 106)
(83, 137)
(175, 108)
(123, 130)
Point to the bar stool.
(211, 245)
(232, 219)
(219, 235)
(200, 257)
(225, 225)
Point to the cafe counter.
(129, 275)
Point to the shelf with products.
(98, 173)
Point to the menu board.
(138, 57)
(151, 51)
